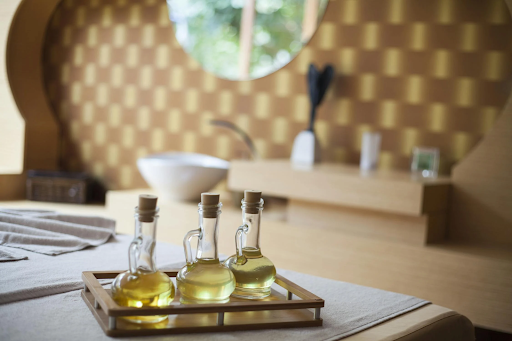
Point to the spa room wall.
(422, 73)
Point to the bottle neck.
(251, 239)
(207, 243)
(145, 232)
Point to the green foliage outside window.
(209, 30)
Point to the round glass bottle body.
(143, 285)
(205, 279)
(254, 273)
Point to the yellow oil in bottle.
(205, 281)
(254, 274)
(152, 289)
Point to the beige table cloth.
(51, 315)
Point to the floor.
(490, 335)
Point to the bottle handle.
(133, 250)
(187, 247)
(239, 239)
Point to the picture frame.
(425, 162)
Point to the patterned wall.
(430, 73)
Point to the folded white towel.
(8, 255)
(44, 275)
(51, 233)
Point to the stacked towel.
(49, 232)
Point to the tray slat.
(203, 323)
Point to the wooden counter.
(344, 185)
(389, 205)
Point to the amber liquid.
(153, 289)
(205, 281)
(254, 274)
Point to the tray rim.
(104, 308)
(111, 308)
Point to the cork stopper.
(252, 196)
(212, 200)
(252, 200)
(147, 207)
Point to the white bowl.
(182, 176)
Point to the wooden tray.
(275, 311)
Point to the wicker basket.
(55, 186)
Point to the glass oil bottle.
(254, 273)
(143, 285)
(204, 279)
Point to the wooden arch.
(25, 75)
(481, 204)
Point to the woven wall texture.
(427, 73)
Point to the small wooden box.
(275, 311)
